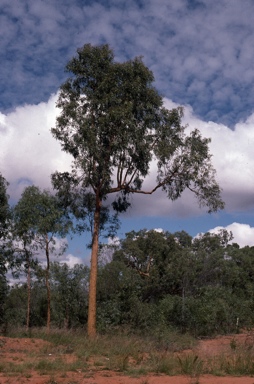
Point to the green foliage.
(37, 219)
(203, 287)
(116, 287)
(98, 103)
(208, 314)
(3, 296)
(69, 288)
(39, 212)
(69, 291)
(16, 306)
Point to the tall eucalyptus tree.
(113, 122)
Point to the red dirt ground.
(16, 350)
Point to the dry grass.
(131, 354)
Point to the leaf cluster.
(39, 212)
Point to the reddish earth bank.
(18, 351)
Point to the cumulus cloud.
(28, 152)
(71, 260)
(29, 155)
(159, 230)
(243, 233)
(232, 158)
(113, 241)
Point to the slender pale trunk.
(91, 324)
(47, 284)
(28, 291)
(67, 316)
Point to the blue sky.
(201, 53)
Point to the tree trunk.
(47, 284)
(67, 316)
(91, 324)
(28, 291)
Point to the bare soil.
(22, 351)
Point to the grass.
(190, 364)
(126, 353)
(238, 364)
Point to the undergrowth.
(126, 352)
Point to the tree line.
(113, 122)
(150, 282)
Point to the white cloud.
(159, 230)
(28, 152)
(113, 241)
(243, 233)
(106, 253)
(71, 260)
(233, 160)
(29, 155)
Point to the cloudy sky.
(201, 53)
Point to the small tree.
(23, 251)
(38, 220)
(114, 124)
(4, 249)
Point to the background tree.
(38, 220)
(16, 304)
(69, 294)
(201, 286)
(24, 247)
(165, 264)
(24, 255)
(4, 249)
(204, 286)
(113, 123)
